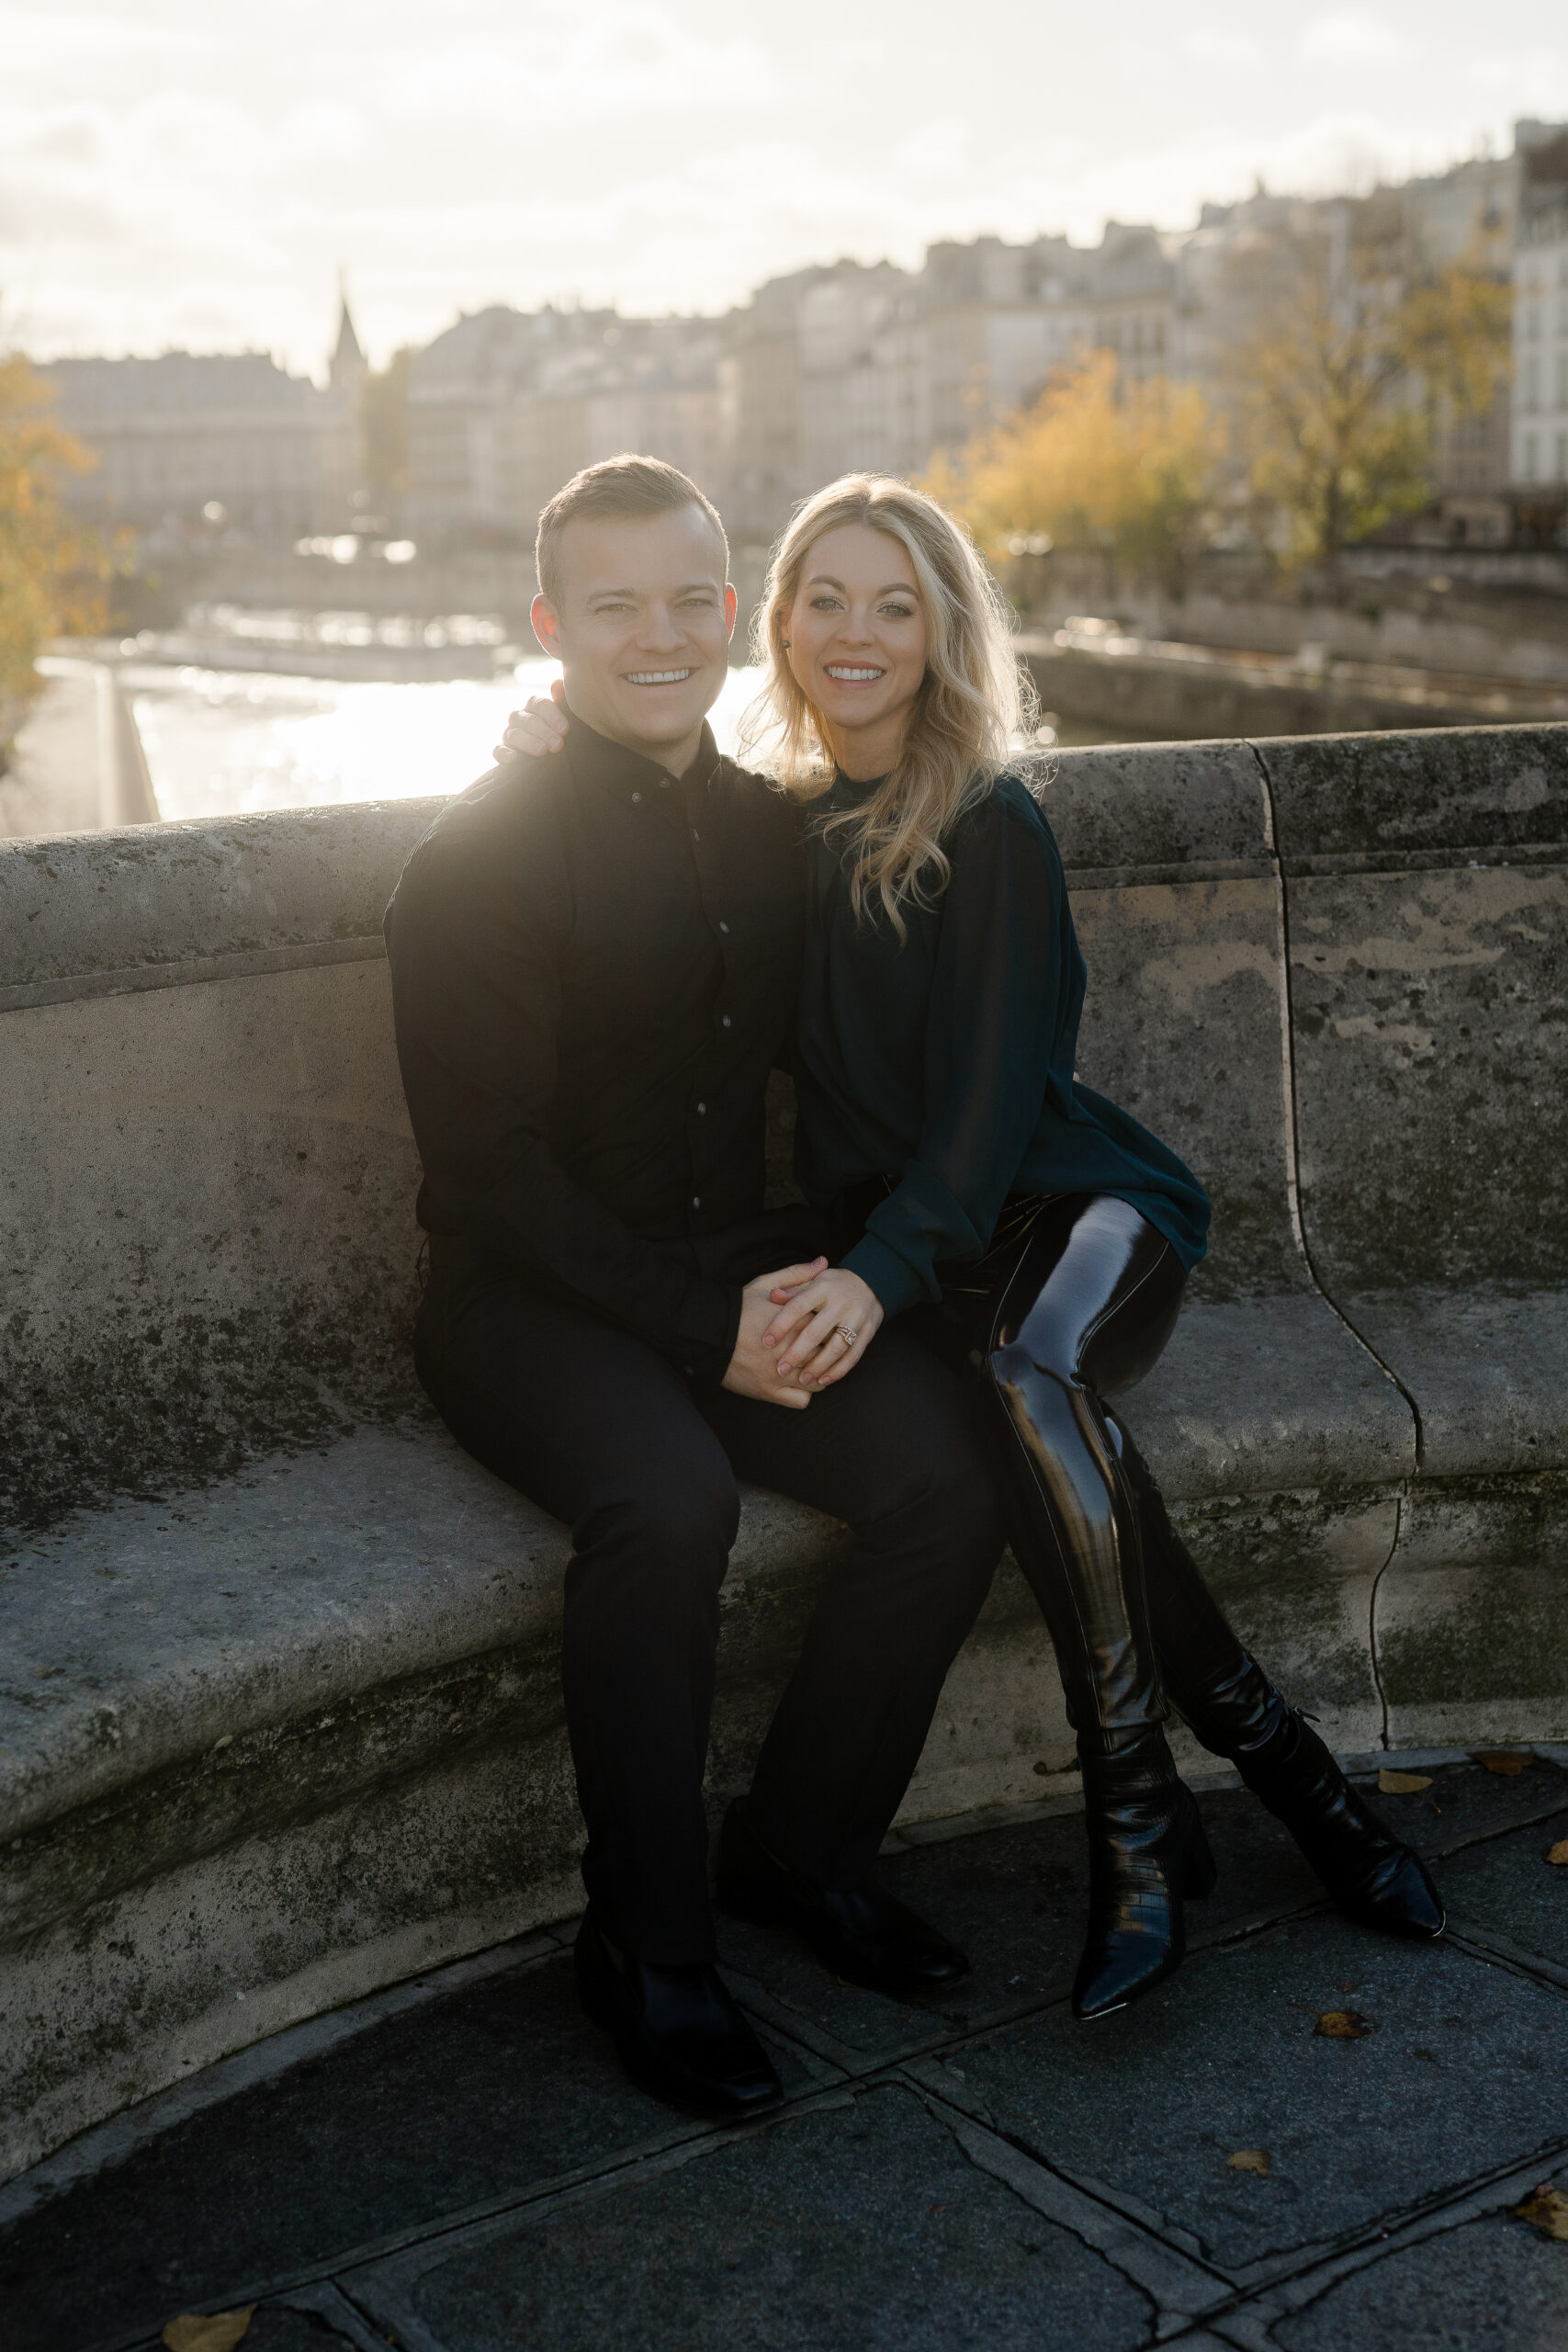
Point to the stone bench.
(279, 1715)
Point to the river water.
(221, 742)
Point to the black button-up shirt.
(593, 970)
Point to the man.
(593, 966)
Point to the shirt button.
(697, 1200)
(727, 1019)
(725, 928)
(702, 1108)
(636, 796)
(696, 835)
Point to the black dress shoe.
(1148, 1855)
(677, 2030)
(867, 1937)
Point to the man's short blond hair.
(625, 489)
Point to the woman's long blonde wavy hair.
(972, 703)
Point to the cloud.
(1212, 46)
(625, 59)
(1348, 36)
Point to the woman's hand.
(538, 729)
(826, 1326)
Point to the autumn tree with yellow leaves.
(1351, 360)
(52, 572)
(1097, 465)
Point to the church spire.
(348, 362)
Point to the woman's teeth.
(656, 677)
(852, 677)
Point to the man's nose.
(661, 628)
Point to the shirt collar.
(628, 776)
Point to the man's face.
(642, 628)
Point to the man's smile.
(657, 677)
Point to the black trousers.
(607, 1434)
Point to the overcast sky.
(193, 172)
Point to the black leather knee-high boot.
(1075, 1535)
(1237, 1712)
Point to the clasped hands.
(801, 1329)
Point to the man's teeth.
(656, 677)
(837, 670)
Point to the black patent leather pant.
(1072, 1305)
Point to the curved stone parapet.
(279, 1714)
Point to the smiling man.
(594, 959)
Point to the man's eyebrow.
(688, 588)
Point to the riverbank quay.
(1093, 671)
(279, 1716)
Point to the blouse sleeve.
(1002, 974)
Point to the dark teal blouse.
(945, 1064)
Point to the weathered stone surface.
(1428, 1011)
(1202, 961)
(335, 2153)
(207, 1224)
(1494, 2286)
(1133, 806)
(205, 1215)
(871, 2229)
(120, 909)
(1510, 1885)
(1395, 796)
(1464, 2068)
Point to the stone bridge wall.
(278, 1702)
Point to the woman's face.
(858, 638)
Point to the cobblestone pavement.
(457, 2165)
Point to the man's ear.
(730, 608)
(547, 625)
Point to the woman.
(1037, 1232)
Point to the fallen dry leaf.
(1508, 1763)
(1343, 2025)
(1558, 1853)
(1402, 1784)
(1250, 2160)
(1547, 2209)
(207, 2331)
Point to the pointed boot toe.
(1148, 1853)
(1400, 1899)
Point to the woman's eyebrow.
(826, 580)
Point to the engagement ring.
(847, 1336)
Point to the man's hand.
(753, 1370)
(828, 1321)
(540, 727)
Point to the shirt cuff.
(706, 1324)
(893, 1279)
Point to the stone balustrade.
(279, 1715)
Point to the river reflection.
(223, 743)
